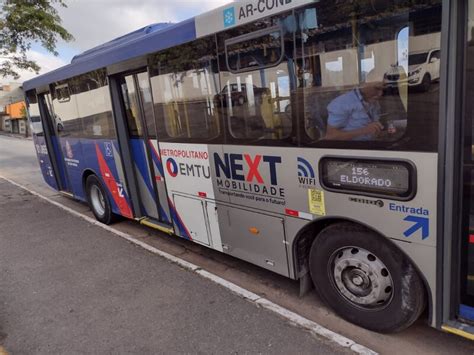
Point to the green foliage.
(23, 112)
(22, 23)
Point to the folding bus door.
(466, 311)
(40, 138)
(138, 110)
(52, 125)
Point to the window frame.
(254, 35)
(405, 143)
(138, 130)
(65, 132)
(32, 94)
(160, 120)
(58, 89)
(79, 85)
(252, 30)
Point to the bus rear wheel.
(365, 279)
(98, 200)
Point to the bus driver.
(355, 115)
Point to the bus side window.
(184, 84)
(66, 117)
(370, 81)
(94, 105)
(34, 114)
(255, 78)
(132, 106)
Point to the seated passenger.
(355, 115)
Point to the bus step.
(157, 225)
(458, 328)
(67, 194)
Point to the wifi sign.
(305, 169)
(306, 175)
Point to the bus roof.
(146, 40)
(157, 37)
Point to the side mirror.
(433, 60)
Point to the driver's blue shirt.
(350, 112)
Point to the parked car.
(36, 125)
(423, 69)
(238, 94)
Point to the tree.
(23, 112)
(22, 23)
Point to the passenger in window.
(356, 114)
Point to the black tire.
(406, 299)
(426, 83)
(93, 187)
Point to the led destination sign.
(392, 179)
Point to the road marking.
(285, 313)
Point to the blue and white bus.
(326, 141)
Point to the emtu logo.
(172, 167)
(305, 169)
(229, 17)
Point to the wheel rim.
(361, 278)
(97, 200)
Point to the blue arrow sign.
(419, 223)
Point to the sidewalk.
(19, 136)
(67, 286)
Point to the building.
(16, 113)
(13, 117)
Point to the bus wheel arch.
(85, 174)
(97, 197)
(308, 240)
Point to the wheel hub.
(356, 281)
(361, 278)
(98, 200)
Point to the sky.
(93, 22)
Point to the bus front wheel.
(98, 200)
(365, 279)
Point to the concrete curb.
(288, 315)
(17, 136)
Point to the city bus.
(327, 141)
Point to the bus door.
(137, 106)
(467, 252)
(52, 125)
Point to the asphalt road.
(18, 162)
(71, 287)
